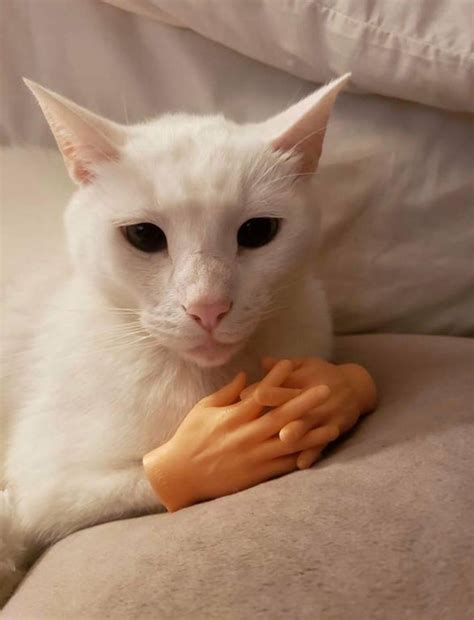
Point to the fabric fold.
(418, 52)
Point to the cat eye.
(146, 237)
(258, 232)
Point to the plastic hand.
(225, 445)
(352, 393)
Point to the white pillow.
(419, 50)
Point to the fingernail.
(325, 389)
(286, 436)
(282, 435)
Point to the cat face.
(201, 228)
(200, 224)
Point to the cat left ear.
(302, 127)
(84, 139)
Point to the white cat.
(193, 245)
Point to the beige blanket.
(381, 529)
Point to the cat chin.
(211, 355)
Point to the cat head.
(200, 224)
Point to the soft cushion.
(380, 529)
(421, 51)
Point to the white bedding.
(419, 50)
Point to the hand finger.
(271, 423)
(249, 390)
(250, 409)
(295, 430)
(339, 404)
(308, 457)
(253, 386)
(339, 411)
(274, 396)
(297, 362)
(317, 437)
(278, 373)
(228, 394)
(269, 362)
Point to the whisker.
(14, 367)
(290, 176)
(124, 328)
(112, 338)
(267, 171)
(110, 309)
(124, 104)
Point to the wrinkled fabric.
(380, 529)
(419, 51)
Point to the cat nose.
(208, 315)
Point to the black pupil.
(257, 232)
(146, 237)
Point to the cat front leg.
(68, 501)
(38, 514)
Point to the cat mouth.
(212, 353)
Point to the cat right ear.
(301, 128)
(84, 139)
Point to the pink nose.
(209, 315)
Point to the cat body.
(116, 348)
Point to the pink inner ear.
(80, 158)
(310, 117)
(309, 145)
(81, 174)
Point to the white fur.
(90, 395)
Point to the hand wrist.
(363, 385)
(168, 478)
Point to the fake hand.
(352, 393)
(225, 445)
